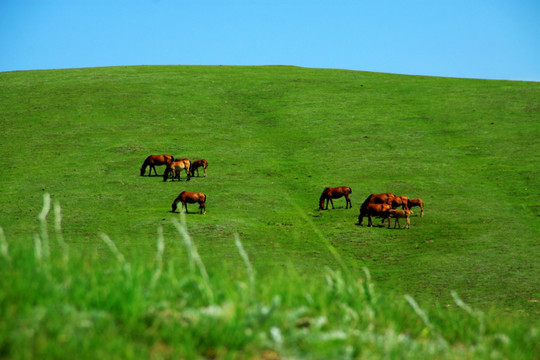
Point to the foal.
(195, 165)
(400, 214)
(335, 193)
(190, 198)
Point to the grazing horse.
(190, 198)
(335, 193)
(175, 167)
(155, 160)
(417, 202)
(376, 210)
(378, 198)
(397, 201)
(195, 165)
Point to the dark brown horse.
(155, 160)
(335, 193)
(190, 198)
(175, 167)
(195, 165)
(417, 202)
(374, 210)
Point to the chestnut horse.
(398, 201)
(417, 202)
(195, 165)
(155, 160)
(378, 198)
(373, 199)
(335, 193)
(190, 198)
(376, 210)
(175, 167)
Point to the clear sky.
(488, 39)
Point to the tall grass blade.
(38, 251)
(418, 310)
(469, 310)
(58, 232)
(194, 256)
(367, 285)
(319, 233)
(159, 257)
(4, 246)
(245, 258)
(121, 259)
(43, 221)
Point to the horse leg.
(421, 211)
(348, 202)
(408, 223)
(395, 223)
(332, 202)
(184, 204)
(369, 223)
(202, 208)
(204, 172)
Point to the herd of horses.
(383, 205)
(173, 168)
(376, 205)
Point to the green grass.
(274, 138)
(60, 304)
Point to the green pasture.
(274, 138)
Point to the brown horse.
(417, 202)
(190, 198)
(398, 201)
(378, 198)
(195, 165)
(175, 167)
(155, 160)
(376, 210)
(335, 193)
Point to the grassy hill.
(274, 138)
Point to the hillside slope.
(274, 138)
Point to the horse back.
(192, 197)
(163, 159)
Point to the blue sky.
(487, 39)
